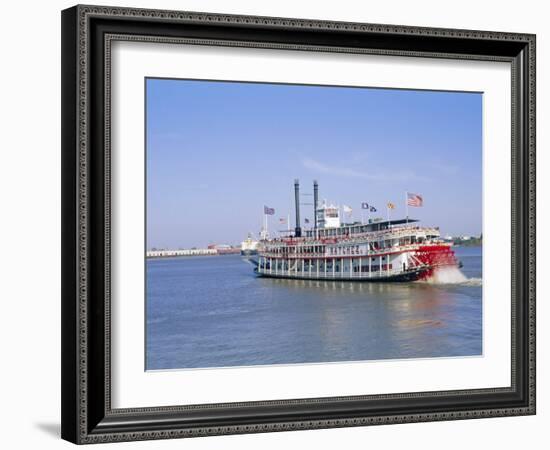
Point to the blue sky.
(217, 152)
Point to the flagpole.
(407, 206)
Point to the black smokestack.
(315, 202)
(298, 230)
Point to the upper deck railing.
(371, 236)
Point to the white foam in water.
(473, 282)
(447, 275)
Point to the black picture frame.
(87, 416)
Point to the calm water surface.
(213, 312)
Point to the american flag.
(364, 205)
(414, 199)
(282, 220)
(269, 211)
(306, 220)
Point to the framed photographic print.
(277, 224)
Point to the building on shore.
(211, 250)
(224, 249)
(181, 252)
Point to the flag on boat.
(282, 220)
(306, 220)
(269, 211)
(347, 209)
(391, 205)
(414, 199)
(368, 207)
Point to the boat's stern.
(433, 257)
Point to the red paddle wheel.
(434, 256)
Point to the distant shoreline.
(189, 256)
(472, 242)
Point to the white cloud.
(377, 175)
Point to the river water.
(213, 311)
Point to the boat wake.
(452, 275)
(472, 282)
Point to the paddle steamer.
(380, 250)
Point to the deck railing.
(371, 236)
(369, 254)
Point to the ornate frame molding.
(84, 421)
